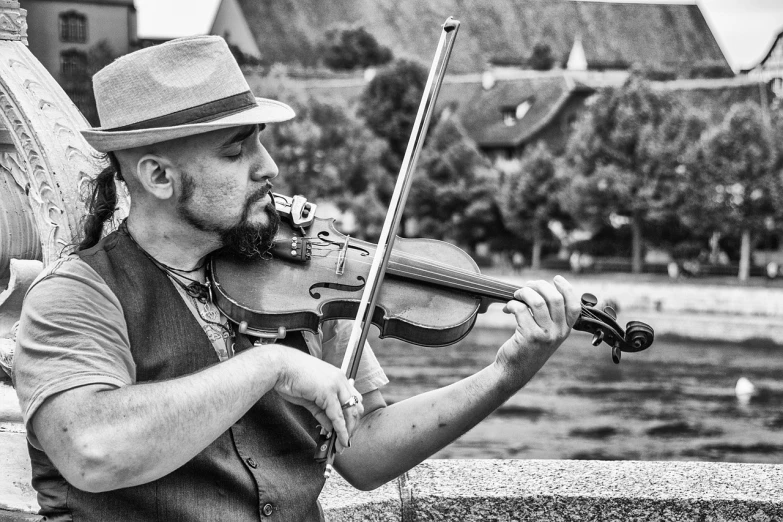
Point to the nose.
(265, 168)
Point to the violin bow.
(361, 325)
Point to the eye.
(235, 152)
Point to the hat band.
(205, 112)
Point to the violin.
(431, 296)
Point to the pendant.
(198, 291)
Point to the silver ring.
(353, 401)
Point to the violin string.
(439, 277)
(498, 285)
(478, 285)
(586, 311)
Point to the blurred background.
(637, 146)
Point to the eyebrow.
(242, 134)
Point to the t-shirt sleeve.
(72, 333)
(330, 346)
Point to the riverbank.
(710, 310)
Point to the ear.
(156, 176)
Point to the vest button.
(267, 510)
(251, 463)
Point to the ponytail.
(101, 203)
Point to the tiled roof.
(128, 3)
(481, 111)
(771, 48)
(669, 35)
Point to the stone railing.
(519, 490)
(45, 163)
(557, 490)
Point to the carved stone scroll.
(54, 161)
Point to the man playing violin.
(141, 401)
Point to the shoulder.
(69, 275)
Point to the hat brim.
(266, 111)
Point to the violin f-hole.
(337, 286)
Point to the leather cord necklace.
(196, 289)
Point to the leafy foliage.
(243, 58)
(541, 59)
(625, 155)
(353, 48)
(452, 195)
(390, 101)
(735, 176)
(529, 197)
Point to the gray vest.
(261, 468)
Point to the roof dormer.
(512, 114)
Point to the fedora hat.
(176, 89)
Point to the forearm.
(392, 440)
(127, 436)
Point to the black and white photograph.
(391, 260)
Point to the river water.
(675, 401)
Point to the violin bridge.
(341, 257)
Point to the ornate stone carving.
(13, 21)
(55, 160)
(20, 238)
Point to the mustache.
(258, 195)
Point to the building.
(586, 35)
(67, 35)
(504, 115)
(502, 103)
(770, 69)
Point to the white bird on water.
(744, 390)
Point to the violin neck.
(438, 274)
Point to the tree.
(353, 48)
(541, 58)
(624, 156)
(390, 101)
(529, 198)
(452, 194)
(736, 178)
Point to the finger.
(352, 416)
(335, 413)
(537, 305)
(526, 323)
(554, 301)
(573, 302)
(323, 420)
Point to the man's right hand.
(321, 388)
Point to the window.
(73, 64)
(511, 114)
(73, 27)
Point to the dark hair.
(101, 203)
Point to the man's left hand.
(545, 314)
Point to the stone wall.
(556, 490)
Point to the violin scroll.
(602, 323)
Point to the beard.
(243, 239)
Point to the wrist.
(267, 361)
(511, 374)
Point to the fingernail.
(559, 279)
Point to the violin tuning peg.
(608, 310)
(589, 300)
(598, 337)
(616, 354)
